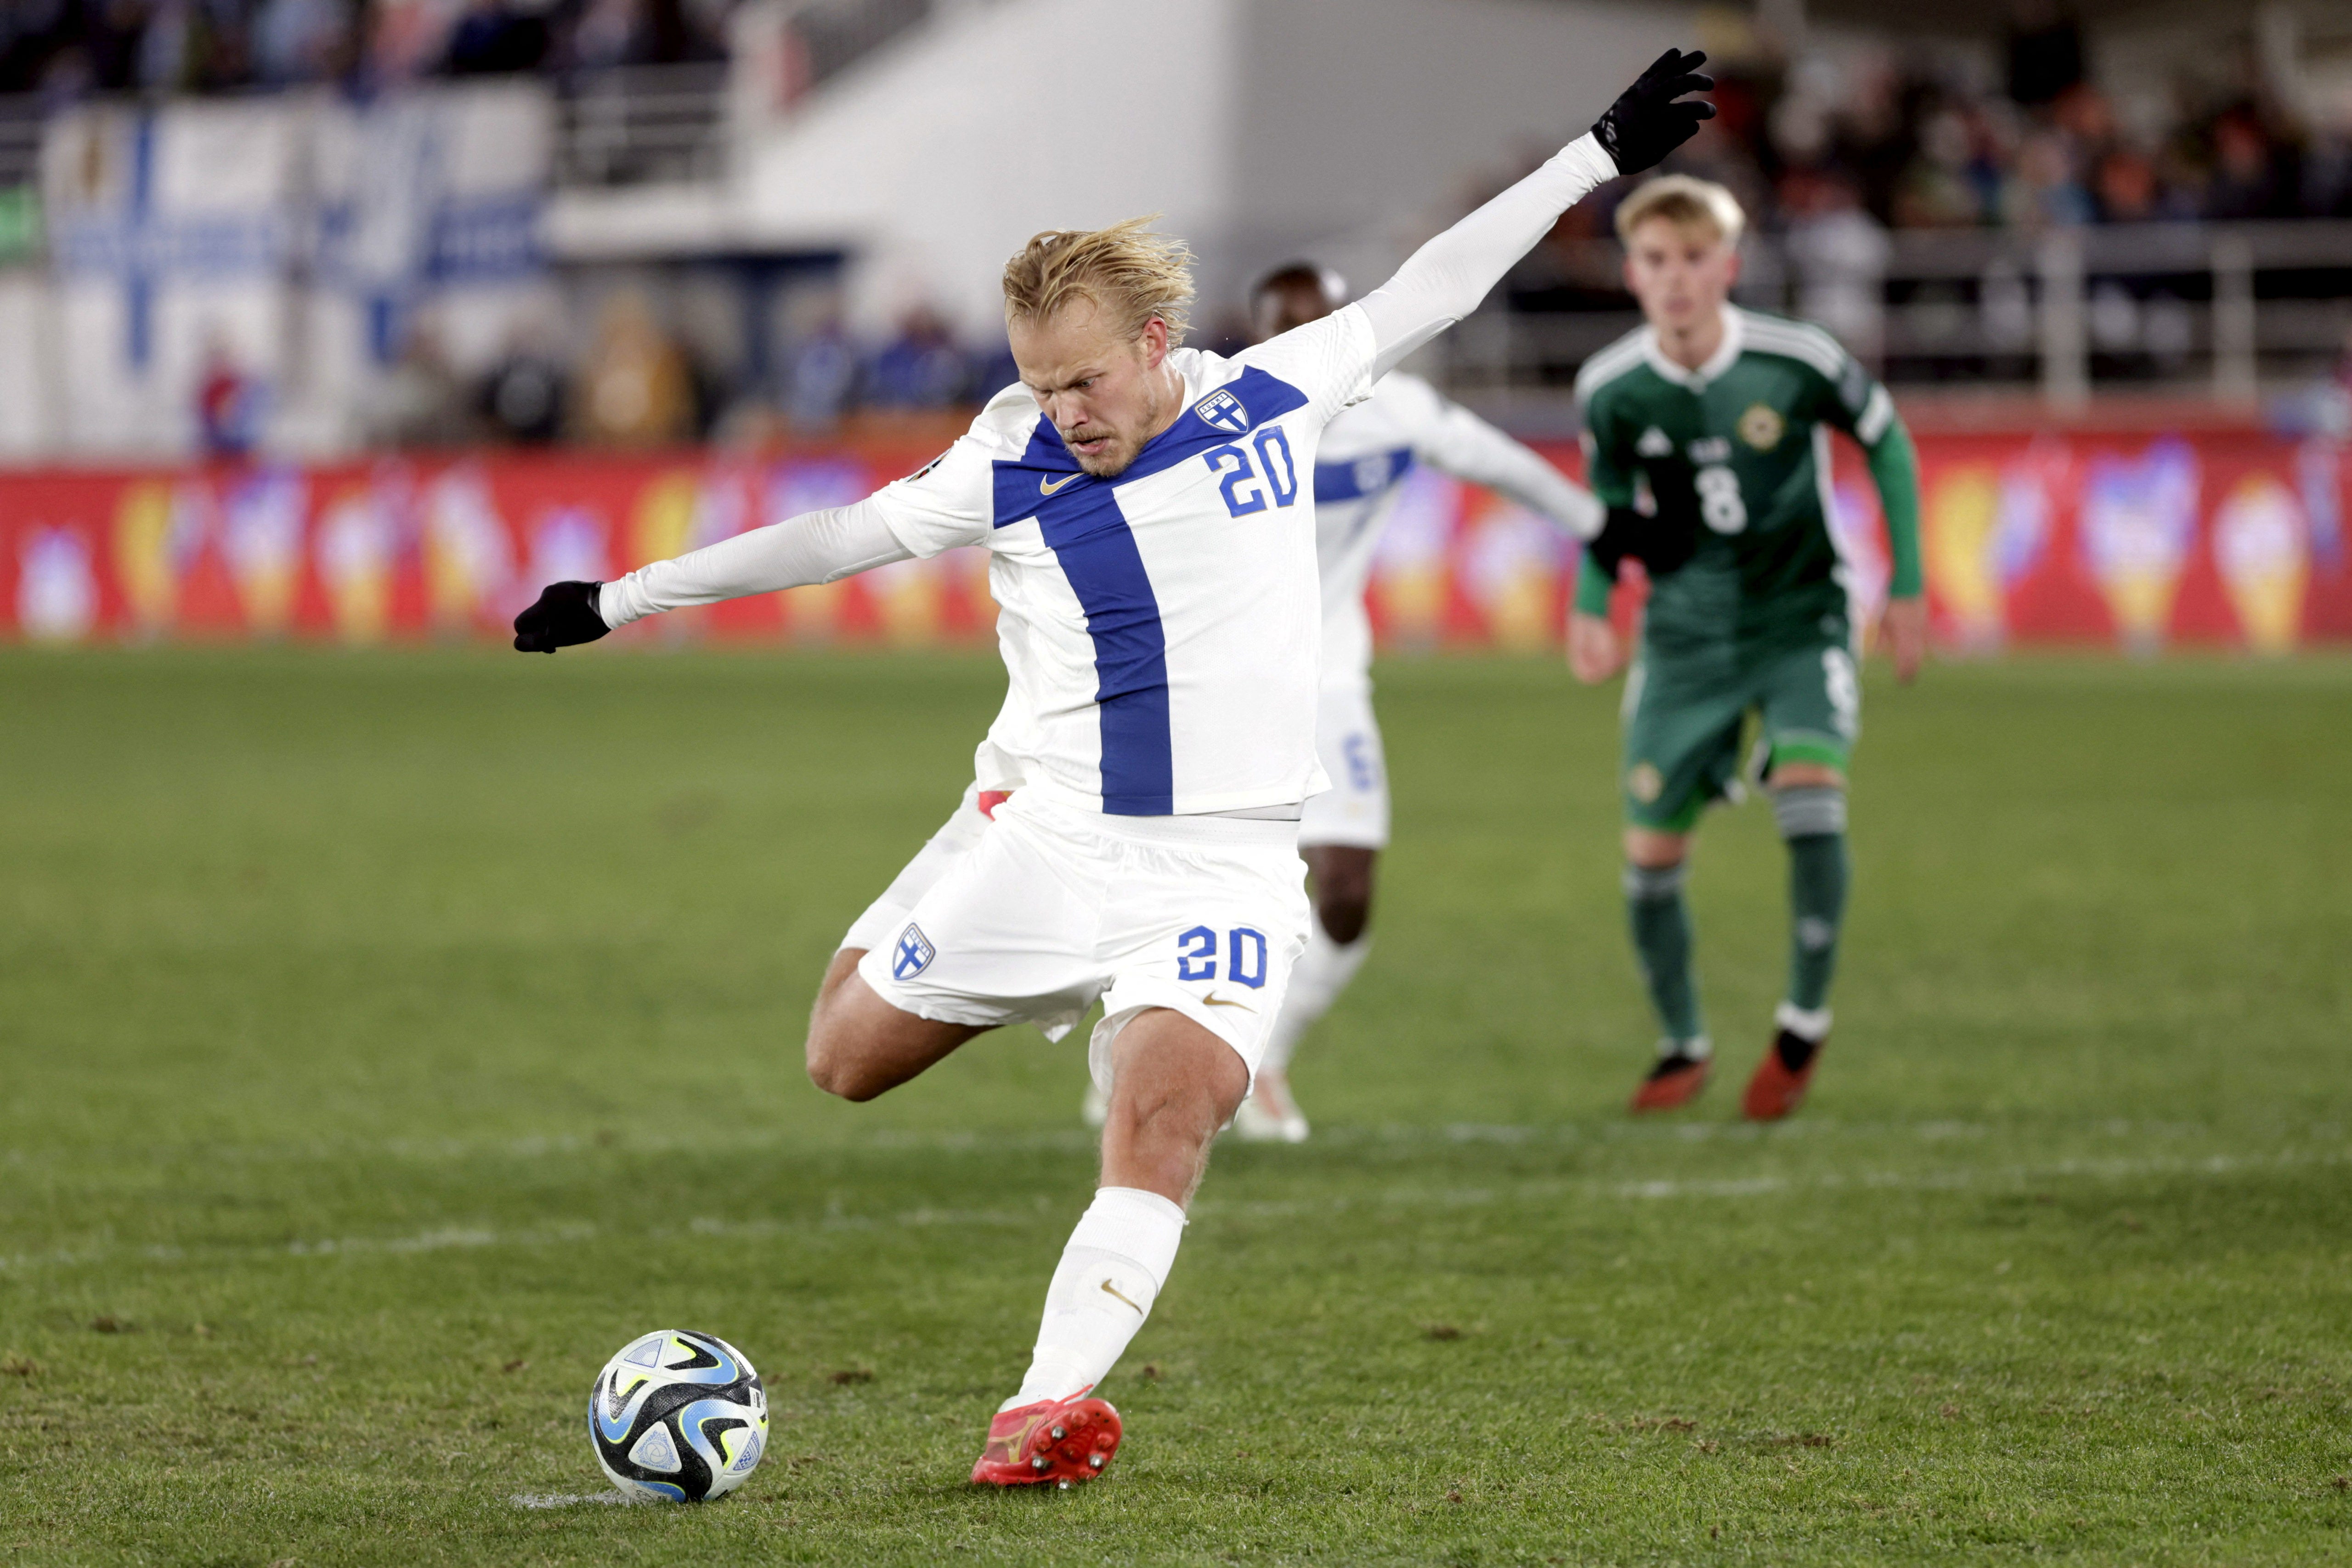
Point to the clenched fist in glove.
(564, 616)
(1645, 123)
(1661, 538)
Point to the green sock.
(1662, 941)
(1817, 883)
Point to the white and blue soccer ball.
(679, 1416)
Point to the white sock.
(1813, 1026)
(1322, 972)
(1112, 1269)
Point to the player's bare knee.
(1344, 914)
(1343, 891)
(1805, 775)
(1654, 850)
(835, 1069)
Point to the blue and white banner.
(299, 241)
(174, 232)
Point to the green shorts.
(1685, 715)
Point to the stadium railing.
(2214, 310)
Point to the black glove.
(1663, 539)
(1645, 123)
(564, 616)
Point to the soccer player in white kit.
(1366, 454)
(1148, 517)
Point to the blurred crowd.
(64, 49)
(634, 384)
(1923, 143)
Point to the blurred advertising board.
(2138, 543)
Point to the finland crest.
(1220, 410)
(913, 953)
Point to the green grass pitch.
(385, 1039)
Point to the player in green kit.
(1706, 432)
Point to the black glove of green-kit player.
(564, 616)
(1662, 540)
(1645, 123)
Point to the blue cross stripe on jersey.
(1369, 475)
(1089, 535)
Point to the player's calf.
(1810, 806)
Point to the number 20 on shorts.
(1196, 955)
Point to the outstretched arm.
(1445, 279)
(815, 547)
(1462, 444)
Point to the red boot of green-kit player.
(1672, 1084)
(1777, 1089)
(1063, 1441)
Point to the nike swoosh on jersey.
(1047, 487)
(1216, 1001)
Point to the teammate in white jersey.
(1149, 516)
(1366, 454)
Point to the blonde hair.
(1683, 202)
(1129, 272)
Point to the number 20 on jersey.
(1248, 486)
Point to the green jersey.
(1754, 422)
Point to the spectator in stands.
(1840, 253)
(994, 370)
(919, 368)
(418, 402)
(522, 397)
(820, 372)
(2247, 181)
(2045, 53)
(635, 389)
(2125, 186)
(610, 33)
(2043, 189)
(492, 37)
(301, 40)
(229, 404)
(405, 39)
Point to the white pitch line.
(1810, 1130)
(1541, 1190)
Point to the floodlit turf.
(384, 1040)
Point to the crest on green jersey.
(1761, 426)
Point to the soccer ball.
(679, 1416)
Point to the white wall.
(1260, 127)
(29, 423)
(938, 158)
(1367, 124)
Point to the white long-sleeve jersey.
(1366, 454)
(1163, 628)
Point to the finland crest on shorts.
(913, 955)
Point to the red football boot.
(1674, 1082)
(1060, 1440)
(1778, 1088)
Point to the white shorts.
(1032, 917)
(1355, 810)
